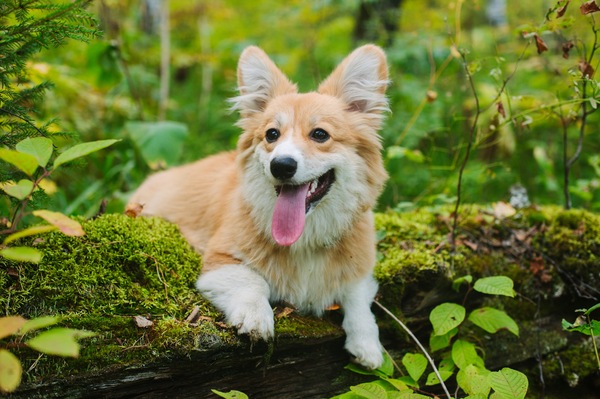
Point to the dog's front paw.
(367, 352)
(254, 319)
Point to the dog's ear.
(259, 81)
(360, 80)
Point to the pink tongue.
(289, 214)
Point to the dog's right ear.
(259, 81)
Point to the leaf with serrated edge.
(64, 223)
(38, 147)
(31, 231)
(509, 383)
(492, 320)
(445, 317)
(496, 285)
(10, 371)
(80, 150)
(25, 162)
(22, 254)
(37, 323)
(10, 325)
(59, 341)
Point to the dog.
(288, 215)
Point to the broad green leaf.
(415, 364)
(384, 371)
(160, 143)
(9, 325)
(80, 150)
(406, 379)
(492, 320)
(64, 223)
(347, 395)
(19, 190)
(406, 395)
(230, 394)
(22, 254)
(446, 369)
(445, 317)
(10, 371)
(59, 341)
(25, 162)
(39, 147)
(396, 383)
(437, 342)
(369, 390)
(29, 232)
(509, 383)
(497, 285)
(464, 354)
(473, 380)
(37, 323)
(459, 281)
(478, 396)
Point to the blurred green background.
(111, 88)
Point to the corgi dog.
(288, 215)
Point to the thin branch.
(414, 338)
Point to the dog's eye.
(319, 135)
(272, 135)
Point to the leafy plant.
(587, 326)
(459, 357)
(57, 341)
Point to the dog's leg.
(243, 296)
(362, 334)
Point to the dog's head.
(311, 161)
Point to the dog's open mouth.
(293, 203)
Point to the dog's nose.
(283, 167)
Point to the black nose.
(283, 167)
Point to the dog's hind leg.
(243, 296)
(362, 334)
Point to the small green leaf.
(509, 383)
(9, 325)
(387, 368)
(25, 162)
(459, 281)
(39, 147)
(59, 341)
(80, 150)
(445, 317)
(464, 354)
(587, 328)
(64, 223)
(230, 394)
(492, 320)
(415, 364)
(37, 323)
(19, 190)
(22, 254)
(473, 380)
(437, 342)
(369, 390)
(10, 371)
(432, 378)
(160, 143)
(497, 285)
(29, 232)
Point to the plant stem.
(414, 338)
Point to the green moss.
(305, 327)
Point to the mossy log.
(124, 267)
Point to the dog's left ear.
(360, 80)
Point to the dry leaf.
(284, 312)
(193, 317)
(540, 44)
(64, 223)
(470, 244)
(566, 48)
(431, 96)
(500, 108)
(134, 210)
(142, 322)
(335, 306)
(589, 7)
(561, 11)
(502, 210)
(586, 69)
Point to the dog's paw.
(367, 352)
(256, 320)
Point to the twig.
(414, 338)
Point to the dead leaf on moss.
(134, 210)
(286, 311)
(142, 322)
(193, 317)
(502, 210)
